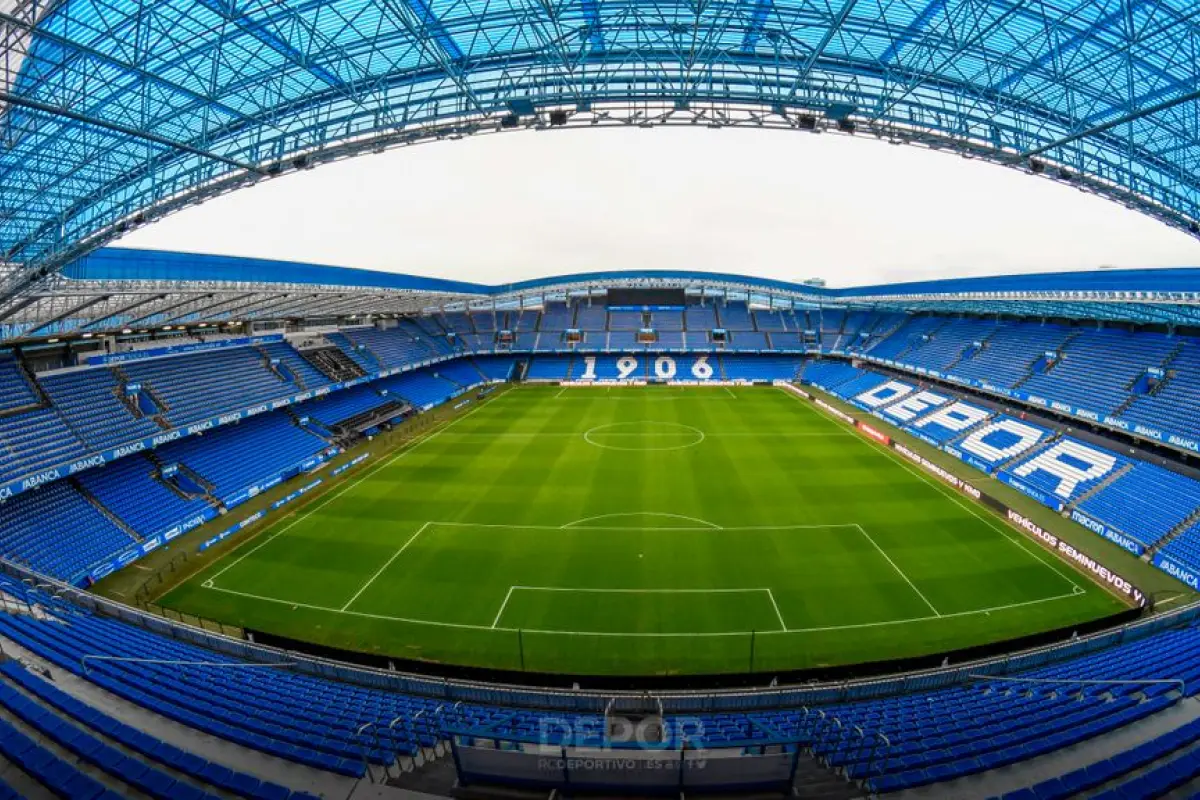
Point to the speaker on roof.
(846, 125)
(1037, 167)
(808, 122)
(509, 121)
(558, 118)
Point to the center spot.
(644, 435)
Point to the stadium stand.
(1066, 470)
(891, 743)
(700, 318)
(130, 489)
(1147, 502)
(35, 440)
(58, 531)
(276, 443)
(338, 406)
(193, 387)
(89, 399)
(15, 389)
(549, 368)
(950, 422)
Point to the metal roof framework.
(115, 290)
(116, 112)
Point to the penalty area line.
(639, 634)
(386, 564)
(305, 513)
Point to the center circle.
(644, 436)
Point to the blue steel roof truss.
(113, 112)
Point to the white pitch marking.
(947, 492)
(899, 571)
(782, 625)
(467, 626)
(506, 526)
(312, 509)
(503, 606)
(386, 564)
(712, 525)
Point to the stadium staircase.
(1112, 478)
(1061, 349)
(970, 348)
(1174, 533)
(815, 781)
(43, 399)
(162, 405)
(110, 516)
(364, 351)
(285, 375)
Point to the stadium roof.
(114, 289)
(115, 112)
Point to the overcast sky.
(771, 203)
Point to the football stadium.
(285, 529)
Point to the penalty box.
(600, 577)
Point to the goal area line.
(596, 590)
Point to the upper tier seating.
(56, 530)
(391, 348)
(197, 387)
(700, 318)
(459, 322)
(1172, 407)
(557, 317)
(735, 316)
(35, 440)
(308, 375)
(906, 339)
(624, 320)
(591, 317)
(15, 391)
(769, 320)
(666, 321)
(1009, 353)
(484, 321)
(89, 400)
(1097, 368)
(527, 320)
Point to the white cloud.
(769, 203)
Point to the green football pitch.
(642, 530)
